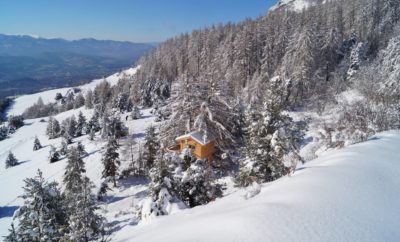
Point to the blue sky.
(132, 20)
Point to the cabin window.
(192, 147)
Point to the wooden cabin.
(202, 147)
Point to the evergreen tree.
(92, 134)
(3, 132)
(161, 186)
(84, 223)
(111, 161)
(64, 147)
(93, 124)
(53, 128)
(81, 150)
(73, 178)
(272, 138)
(150, 148)
(89, 99)
(136, 114)
(12, 236)
(71, 127)
(36, 144)
(197, 185)
(81, 124)
(54, 156)
(11, 160)
(41, 217)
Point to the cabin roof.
(196, 136)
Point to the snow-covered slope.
(347, 195)
(23, 102)
(295, 5)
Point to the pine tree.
(136, 114)
(53, 128)
(54, 156)
(272, 137)
(161, 186)
(3, 132)
(93, 124)
(36, 144)
(197, 185)
(81, 150)
(89, 99)
(12, 236)
(84, 223)
(73, 173)
(71, 127)
(111, 161)
(81, 124)
(41, 217)
(64, 147)
(11, 160)
(150, 148)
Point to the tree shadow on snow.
(138, 135)
(7, 211)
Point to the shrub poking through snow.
(11, 160)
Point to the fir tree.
(41, 217)
(11, 160)
(73, 178)
(12, 236)
(93, 124)
(111, 161)
(81, 150)
(3, 132)
(84, 223)
(53, 128)
(150, 148)
(136, 114)
(161, 186)
(81, 124)
(36, 144)
(272, 138)
(54, 156)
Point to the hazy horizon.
(152, 21)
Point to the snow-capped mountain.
(295, 5)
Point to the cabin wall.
(202, 152)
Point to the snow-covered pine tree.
(197, 186)
(36, 144)
(111, 160)
(53, 128)
(84, 223)
(89, 99)
(93, 124)
(3, 132)
(64, 147)
(42, 216)
(272, 138)
(54, 155)
(136, 114)
(161, 186)
(71, 126)
(81, 124)
(11, 160)
(12, 236)
(150, 148)
(81, 150)
(73, 178)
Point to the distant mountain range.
(29, 64)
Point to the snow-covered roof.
(197, 136)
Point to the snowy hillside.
(347, 195)
(25, 101)
(21, 143)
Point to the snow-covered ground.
(344, 195)
(348, 195)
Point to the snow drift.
(346, 195)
